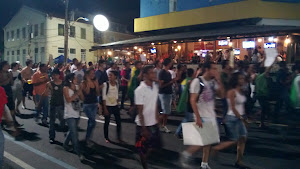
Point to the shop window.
(83, 33)
(42, 29)
(36, 30)
(61, 29)
(61, 50)
(72, 31)
(12, 34)
(24, 33)
(72, 51)
(7, 36)
(18, 34)
(172, 5)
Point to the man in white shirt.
(17, 86)
(74, 66)
(113, 66)
(147, 130)
(202, 95)
(79, 73)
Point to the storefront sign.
(248, 44)
(270, 45)
(223, 43)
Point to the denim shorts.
(235, 128)
(165, 101)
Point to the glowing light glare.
(135, 47)
(200, 40)
(176, 50)
(175, 41)
(109, 53)
(230, 44)
(259, 40)
(152, 43)
(271, 39)
(101, 23)
(178, 47)
(140, 50)
(128, 53)
(287, 41)
(275, 39)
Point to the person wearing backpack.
(110, 95)
(202, 97)
(184, 104)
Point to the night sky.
(123, 10)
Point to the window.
(24, 33)
(7, 53)
(18, 52)
(83, 33)
(18, 55)
(42, 29)
(61, 50)
(73, 51)
(12, 34)
(30, 31)
(36, 50)
(72, 31)
(18, 33)
(24, 51)
(7, 36)
(172, 5)
(42, 49)
(36, 30)
(61, 29)
(12, 52)
(83, 54)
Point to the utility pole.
(66, 46)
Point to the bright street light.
(101, 23)
(109, 53)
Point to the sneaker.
(101, 117)
(23, 107)
(206, 167)
(17, 124)
(185, 161)
(44, 122)
(81, 158)
(51, 141)
(166, 130)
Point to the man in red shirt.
(3, 101)
(39, 81)
(125, 74)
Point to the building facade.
(32, 34)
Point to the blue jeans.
(235, 128)
(90, 111)
(44, 106)
(189, 117)
(166, 101)
(72, 135)
(1, 147)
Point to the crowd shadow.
(26, 116)
(22, 135)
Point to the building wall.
(183, 5)
(219, 13)
(54, 41)
(25, 18)
(153, 7)
(109, 36)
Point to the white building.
(32, 34)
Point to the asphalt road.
(273, 148)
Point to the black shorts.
(9, 93)
(143, 144)
(27, 88)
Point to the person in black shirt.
(165, 92)
(101, 77)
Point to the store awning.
(212, 34)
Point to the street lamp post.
(66, 44)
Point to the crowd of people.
(211, 94)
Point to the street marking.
(99, 121)
(17, 161)
(44, 155)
